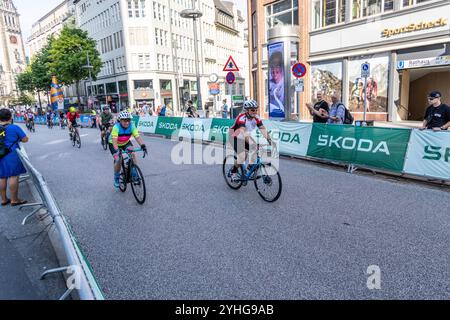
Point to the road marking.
(84, 135)
(55, 142)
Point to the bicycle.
(137, 181)
(75, 137)
(30, 126)
(50, 124)
(264, 175)
(62, 123)
(105, 137)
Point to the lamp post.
(194, 14)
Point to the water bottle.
(244, 166)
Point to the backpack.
(3, 149)
(348, 118)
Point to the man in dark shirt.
(437, 116)
(320, 109)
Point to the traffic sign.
(230, 65)
(214, 88)
(213, 77)
(298, 70)
(231, 78)
(299, 85)
(365, 70)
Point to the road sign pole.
(365, 97)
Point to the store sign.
(387, 33)
(427, 62)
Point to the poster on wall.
(326, 78)
(276, 80)
(377, 84)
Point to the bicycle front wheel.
(228, 164)
(138, 184)
(268, 183)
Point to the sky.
(32, 10)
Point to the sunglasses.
(430, 98)
(126, 120)
(253, 110)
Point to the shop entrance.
(415, 84)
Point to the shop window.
(143, 84)
(111, 87)
(326, 78)
(123, 87)
(166, 85)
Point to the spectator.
(191, 112)
(206, 110)
(320, 109)
(437, 115)
(10, 165)
(225, 109)
(94, 119)
(337, 111)
(162, 113)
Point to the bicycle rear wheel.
(105, 141)
(268, 183)
(78, 140)
(138, 184)
(228, 164)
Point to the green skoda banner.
(168, 126)
(195, 128)
(429, 154)
(219, 129)
(147, 124)
(375, 147)
(292, 138)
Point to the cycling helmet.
(250, 104)
(124, 115)
(72, 109)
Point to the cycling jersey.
(123, 135)
(73, 118)
(30, 116)
(250, 124)
(106, 118)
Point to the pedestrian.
(320, 109)
(11, 166)
(225, 109)
(437, 115)
(337, 110)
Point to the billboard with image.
(276, 80)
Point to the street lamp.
(194, 14)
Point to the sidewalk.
(25, 253)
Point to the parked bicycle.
(266, 177)
(131, 174)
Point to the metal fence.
(81, 279)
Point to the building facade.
(12, 52)
(406, 43)
(148, 50)
(50, 25)
(264, 15)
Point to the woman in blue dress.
(10, 165)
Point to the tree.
(40, 68)
(25, 81)
(68, 56)
(22, 100)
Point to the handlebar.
(132, 151)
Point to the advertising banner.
(168, 126)
(291, 138)
(195, 128)
(147, 124)
(375, 147)
(219, 129)
(429, 154)
(276, 81)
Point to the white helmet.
(250, 104)
(125, 115)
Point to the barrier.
(79, 268)
(400, 151)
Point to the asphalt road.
(197, 239)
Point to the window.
(407, 3)
(282, 13)
(143, 15)
(143, 84)
(366, 8)
(254, 31)
(328, 12)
